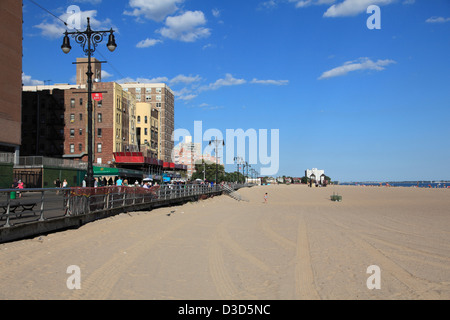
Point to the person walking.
(57, 185)
(20, 186)
(265, 197)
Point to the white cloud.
(106, 74)
(187, 97)
(181, 78)
(229, 80)
(216, 13)
(156, 10)
(352, 7)
(57, 28)
(28, 81)
(437, 20)
(186, 27)
(147, 43)
(269, 4)
(270, 82)
(360, 64)
(144, 80)
(307, 3)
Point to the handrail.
(49, 203)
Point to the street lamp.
(216, 142)
(90, 39)
(238, 162)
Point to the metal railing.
(33, 205)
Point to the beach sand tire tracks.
(419, 288)
(100, 283)
(305, 288)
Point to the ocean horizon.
(417, 183)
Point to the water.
(419, 184)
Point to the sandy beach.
(300, 245)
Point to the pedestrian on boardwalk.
(57, 185)
(20, 186)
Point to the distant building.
(189, 153)
(315, 174)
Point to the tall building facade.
(11, 75)
(160, 97)
(43, 123)
(113, 123)
(147, 129)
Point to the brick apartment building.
(130, 117)
(11, 75)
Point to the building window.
(138, 97)
(72, 133)
(148, 90)
(81, 101)
(148, 98)
(100, 103)
(145, 131)
(72, 148)
(81, 132)
(99, 117)
(81, 117)
(80, 147)
(72, 103)
(139, 119)
(72, 117)
(99, 148)
(146, 119)
(99, 132)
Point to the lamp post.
(216, 142)
(89, 40)
(238, 162)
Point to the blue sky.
(361, 104)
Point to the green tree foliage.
(210, 173)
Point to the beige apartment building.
(157, 99)
(147, 129)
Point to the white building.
(316, 174)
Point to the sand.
(300, 245)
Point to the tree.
(210, 172)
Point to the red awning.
(128, 157)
